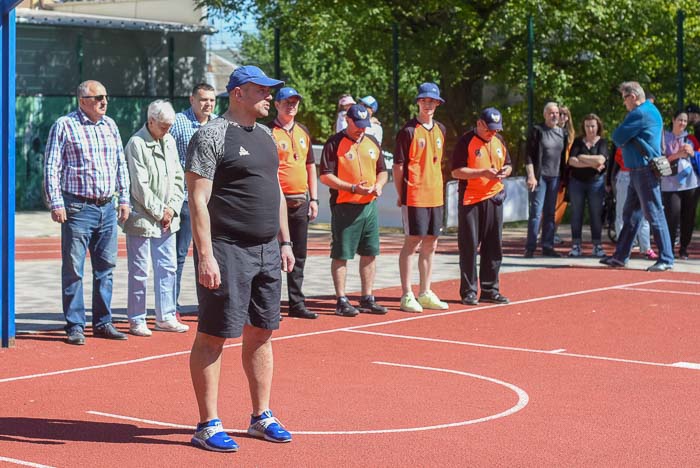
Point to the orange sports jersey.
(352, 162)
(420, 151)
(475, 153)
(294, 150)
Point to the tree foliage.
(476, 51)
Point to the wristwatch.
(289, 243)
(314, 200)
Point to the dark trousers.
(480, 227)
(183, 239)
(298, 219)
(679, 208)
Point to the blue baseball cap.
(492, 118)
(429, 90)
(359, 115)
(286, 93)
(250, 74)
(370, 102)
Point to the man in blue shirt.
(202, 103)
(639, 136)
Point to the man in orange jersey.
(353, 168)
(418, 180)
(297, 174)
(480, 162)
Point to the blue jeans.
(543, 203)
(160, 251)
(184, 239)
(88, 228)
(644, 200)
(579, 192)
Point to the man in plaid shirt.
(202, 103)
(84, 169)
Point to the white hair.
(84, 87)
(548, 105)
(633, 87)
(161, 111)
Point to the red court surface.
(586, 367)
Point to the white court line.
(23, 463)
(556, 351)
(333, 330)
(523, 400)
(665, 291)
(524, 350)
(687, 365)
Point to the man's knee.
(256, 336)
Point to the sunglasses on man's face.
(98, 98)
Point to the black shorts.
(250, 290)
(419, 221)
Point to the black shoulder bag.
(659, 165)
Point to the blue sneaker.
(268, 427)
(210, 435)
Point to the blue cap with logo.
(429, 90)
(492, 118)
(286, 93)
(359, 115)
(370, 102)
(250, 74)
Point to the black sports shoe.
(660, 266)
(550, 252)
(529, 253)
(301, 311)
(344, 308)
(369, 306)
(109, 332)
(76, 337)
(496, 298)
(470, 299)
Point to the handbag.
(659, 165)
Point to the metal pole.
(395, 62)
(79, 55)
(7, 174)
(278, 70)
(679, 58)
(171, 68)
(530, 73)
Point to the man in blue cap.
(239, 226)
(353, 168)
(297, 173)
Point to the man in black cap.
(239, 225)
(480, 162)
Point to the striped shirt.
(85, 158)
(186, 125)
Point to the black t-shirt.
(587, 174)
(242, 163)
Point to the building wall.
(129, 63)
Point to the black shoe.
(76, 337)
(528, 254)
(683, 255)
(369, 306)
(612, 262)
(660, 266)
(550, 252)
(497, 298)
(302, 312)
(109, 332)
(470, 299)
(344, 308)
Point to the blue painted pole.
(7, 173)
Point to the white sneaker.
(429, 300)
(171, 325)
(140, 329)
(409, 303)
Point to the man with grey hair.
(639, 136)
(157, 191)
(546, 160)
(83, 171)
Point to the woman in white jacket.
(157, 193)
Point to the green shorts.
(355, 229)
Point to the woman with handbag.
(678, 189)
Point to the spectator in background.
(587, 163)
(157, 192)
(546, 149)
(201, 111)
(343, 105)
(84, 168)
(376, 128)
(297, 174)
(693, 111)
(565, 122)
(420, 145)
(678, 190)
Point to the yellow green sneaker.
(409, 303)
(429, 300)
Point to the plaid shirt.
(84, 158)
(186, 125)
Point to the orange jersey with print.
(352, 162)
(475, 153)
(294, 151)
(420, 151)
